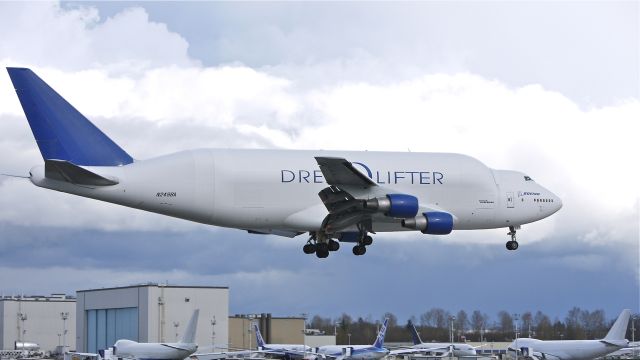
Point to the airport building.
(274, 330)
(150, 313)
(96, 318)
(48, 321)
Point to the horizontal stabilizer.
(65, 171)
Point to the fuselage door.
(510, 201)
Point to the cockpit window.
(526, 178)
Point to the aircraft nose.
(557, 202)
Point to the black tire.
(359, 250)
(368, 240)
(514, 246)
(508, 245)
(322, 253)
(334, 245)
(322, 247)
(309, 249)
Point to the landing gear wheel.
(334, 245)
(322, 250)
(367, 240)
(359, 250)
(322, 253)
(512, 245)
(309, 248)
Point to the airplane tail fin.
(380, 339)
(414, 333)
(61, 131)
(189, 336)
(259, 340)
(619, 328)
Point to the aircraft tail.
(189, 336)
(380, 339)
(259, 340)
(619, 328)
(61, 131)
(414, 333)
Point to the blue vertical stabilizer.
(61, 131)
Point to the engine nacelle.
(434, 223)
(394, 205)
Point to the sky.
(551, 89)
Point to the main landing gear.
(360, 248)
(321, 244)
(512, 244)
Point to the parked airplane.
(276, 191)
(575, 349)
(356, 352)
(457, 349)
(129, 349)
(287, 351)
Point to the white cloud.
(134, 78)
(44, 34)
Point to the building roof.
(155, 285)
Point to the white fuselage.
(267, 190)
(459, 349)
(358, 352)
(568, 349)
(153, 351)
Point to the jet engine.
(434, 223)
(394, 205)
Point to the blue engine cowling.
(434, 222)
(401, 206)
(438, 223)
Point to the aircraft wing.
(345, 209)
(340, 172)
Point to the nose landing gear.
(512, 244)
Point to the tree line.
(436, 325)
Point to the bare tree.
(462, 322)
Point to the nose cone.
(557, 203)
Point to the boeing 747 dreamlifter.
(335, 196)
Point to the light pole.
(175, 325)
(251, 319)
(22, 317)
(213, 332)
(64, 316)
(451, 320)
(633, 336)
(515, 319)
(304, 331)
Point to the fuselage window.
(526, 178)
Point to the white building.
(48, 321)
(149, 313)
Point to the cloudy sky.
(550, 89)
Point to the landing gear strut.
(512, 244)
(365, 240)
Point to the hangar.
(149, 313)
